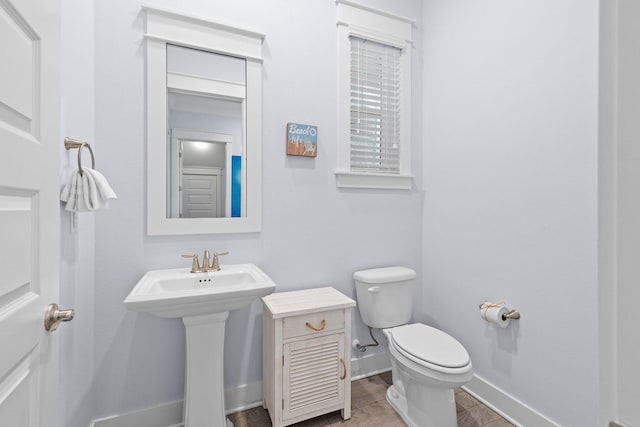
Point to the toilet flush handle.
(374, 289)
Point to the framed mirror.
(204, 126)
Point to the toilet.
(426, 363)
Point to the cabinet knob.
(321, 327)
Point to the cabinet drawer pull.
(345, 369)
(322, 325)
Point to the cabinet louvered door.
(314, 373)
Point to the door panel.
(19, 86)
(29, 208)
(201, 196)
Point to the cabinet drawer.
(313, 323)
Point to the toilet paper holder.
(513, 314)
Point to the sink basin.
(203, 301)
(180, 293)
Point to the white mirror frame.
(166, 27)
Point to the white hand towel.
(72, 192)
(87, 192)
(84, 193)
(104, 191)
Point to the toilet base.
(399, 403)
(421, 395)
(436, 411)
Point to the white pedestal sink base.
(203, 301)
(204, 378)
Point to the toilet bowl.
(427, 363)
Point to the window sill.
(346, 179)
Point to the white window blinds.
(375, 107)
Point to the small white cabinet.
(306, 365)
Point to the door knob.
(53, 317)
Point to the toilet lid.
(431, 345)
(385, 275)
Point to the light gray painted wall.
(510, 181)
(313, 234)
(508, 200)
(77, 251)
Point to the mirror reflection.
(206, 95)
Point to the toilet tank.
(385, 295)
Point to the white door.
(29, 209)
(201, 195)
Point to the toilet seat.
(429, 346)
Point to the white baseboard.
(493, 397)
(170, 414)
(237, 399)
(250, 396)
(164, 415)
(244, 397)
(507, 406)
(370, 364)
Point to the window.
(374, 99)
(375, 107)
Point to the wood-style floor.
(369, 408)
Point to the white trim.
(507, 406)
(346, 179)
(185, 30)
(199, 46)
(377, 36)
(162, 27)
(236, 399)
(185, 17)
(173, 182)
(244, 397)
(377, 11)
(383, 27)
(163, 415)
(202, 135)
(250, 396)
(201, 85)
(170, 414)
(369, 365)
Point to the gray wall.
(504, 206)
(313, 234)
(77, 251)
(510, 181)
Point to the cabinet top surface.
(282, 304)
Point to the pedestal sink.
(203, 301)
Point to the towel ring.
(70, 143)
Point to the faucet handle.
(195, 266)
(216, 261)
